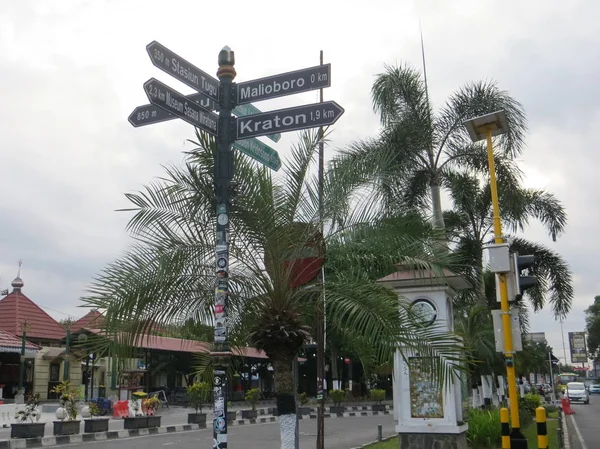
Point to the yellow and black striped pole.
(505, 428)
(542, 428)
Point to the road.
(584, 429)
(340, 433)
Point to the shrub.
(377, 395)
(197, 394)
(94, 409)
(550, 409)
(252, 396)
(303, 398)
(529, 403)
(337, 396)
(484, 428)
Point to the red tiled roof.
(11, 343)
(249, 352)
(93, 319)
(16, 309)
(161, 343)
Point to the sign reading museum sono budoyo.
(284, 84)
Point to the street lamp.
(484, 128)
(82, 338)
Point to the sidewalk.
(174, 419)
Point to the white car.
(576, 391)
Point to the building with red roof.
(46, 359)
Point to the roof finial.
(17, 284)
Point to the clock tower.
(427, 415)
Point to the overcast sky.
(72, 71)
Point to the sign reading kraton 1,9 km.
(284, 84)
(290, 119)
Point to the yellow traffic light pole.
(505, 307)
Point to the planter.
(231, 416)
(337, 409)
(249, 414)
(95, 425)
(67, 427)
(197, 418)
(378, 407)
(136, 422)
(303, 410)
(153, 421)
(27, 430)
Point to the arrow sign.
(179, 68)
(242, 110)
(260, 152)
(290, 119)
(177, 104)
(284, 84)
(149, 114)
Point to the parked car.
(594, 389)
(576, 391)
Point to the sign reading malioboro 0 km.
(224, 96)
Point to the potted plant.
(337, 397)
(67, 423)
(137, 420)
(252, 396)
(302, 410)
(150, 406)
(197, 395)
(92, 425)
(24, 429)
(378, 396)
(230, 414)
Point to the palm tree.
(407, 163)
(167, 277)
(470, 223)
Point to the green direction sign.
(242, 110)
(260, 152)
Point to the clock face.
(425, 310)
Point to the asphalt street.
(583, 426)
(340, 433)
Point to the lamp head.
(226, 56)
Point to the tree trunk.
(335, 375)
(286, 405)
(439, 226)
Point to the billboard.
(578, 348)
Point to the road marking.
(578, 432)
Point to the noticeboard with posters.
(578, 347)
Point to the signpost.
(179, 68)
(290, 119)
(177, 104)
(284, 84)
(260, 152)
(223, 96)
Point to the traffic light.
(517, 281)
(526, 281)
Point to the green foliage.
(377, 395)
(550, 409)
(68, 397)
(94, 409)
(252, 396)
(30, 411)
(484, 428)
(530, 403)
(303, 397)
(337, 397)
(198, 394)
(592, 327)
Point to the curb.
(374, 442)
(117, 434)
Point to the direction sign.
(177, 104)
(179, 68)
(284, 84)
(260, 152)
(149, 114)
(242, 110)
(290, 119)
